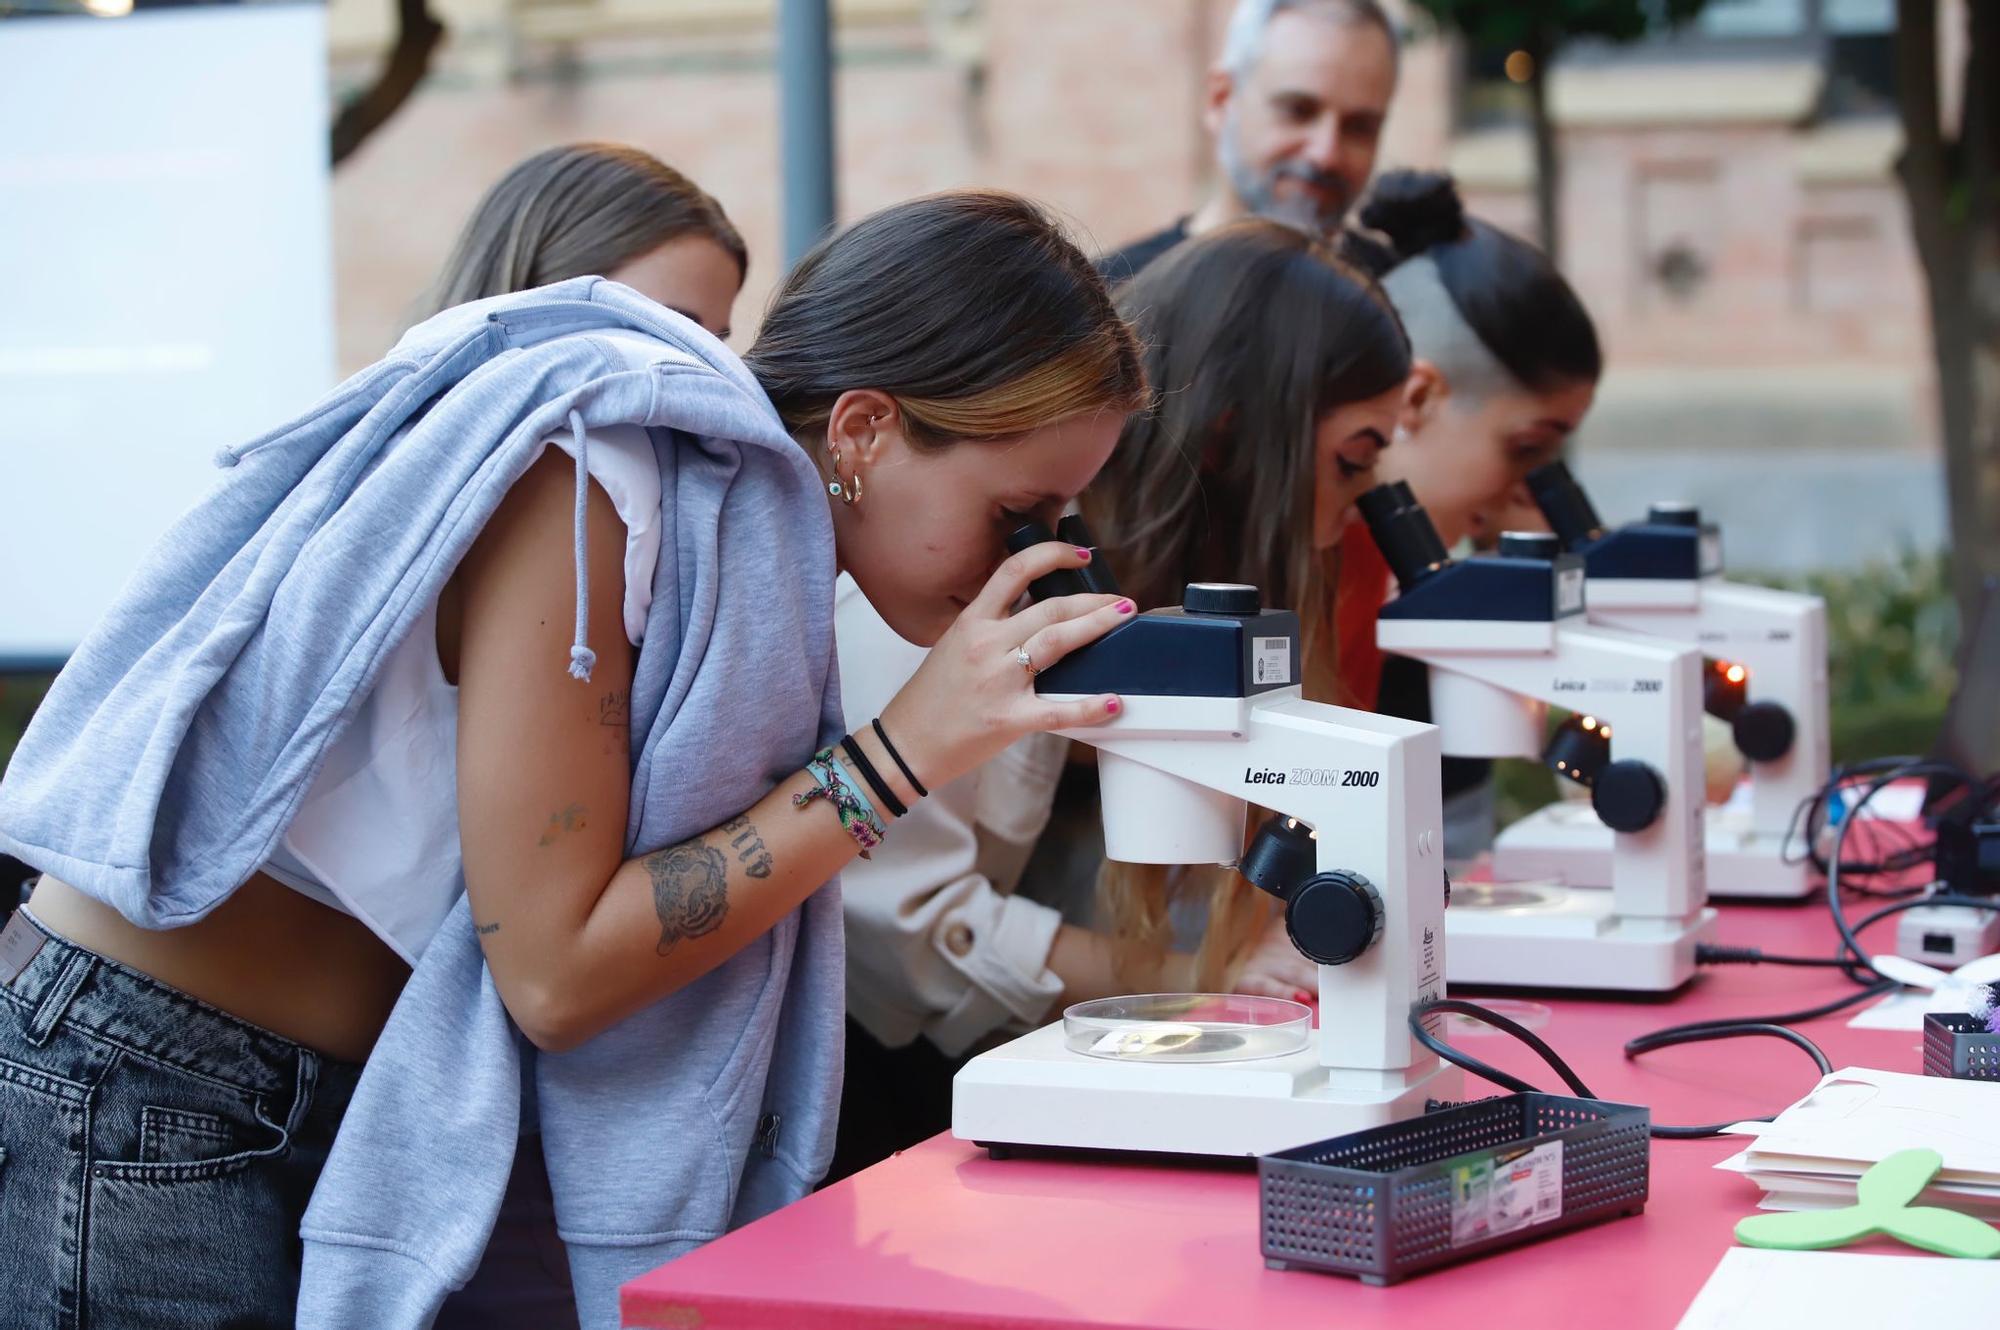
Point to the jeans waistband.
(64, 983)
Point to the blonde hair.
(580, 210)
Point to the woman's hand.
(1275, 968)
(973, 695)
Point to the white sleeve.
(935, 947)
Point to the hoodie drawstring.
(582, 660)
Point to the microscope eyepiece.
(1564, 505)
(1384, 502)
(1062, 582)
(1403, 532)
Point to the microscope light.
(1724, 689)
(1281, 855)
(1579, 749)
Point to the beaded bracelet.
(857, 816)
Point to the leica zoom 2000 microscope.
(1214, 721)
(1763, 673)
(1505, 636)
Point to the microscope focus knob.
(1764, 731)
(1628, 795)
(1333, 917)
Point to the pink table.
(942, 1236)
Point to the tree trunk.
(1548, 170)
(1972, 470)
(1949, 188)
(418, 35)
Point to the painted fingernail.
(1083, 553)
(1124, 607)
(1300, 995)
(1114, 706)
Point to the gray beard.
(1260, 193)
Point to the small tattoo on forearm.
(569, 819)
(690, 891)
(486, 930)
(749, 846)
(615, 709)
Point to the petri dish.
(1187, 1027)
(1505, 896)
(1528, 1015)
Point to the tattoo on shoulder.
(569, 819)
(748, 843)
(486, 930)
(615, 710)
(690, 891)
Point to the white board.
(165, 282)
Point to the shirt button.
(958, 939)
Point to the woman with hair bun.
(1506, 364)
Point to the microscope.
(1505, 636)
(1764, 674)
(1214, 721)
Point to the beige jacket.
(937, 943)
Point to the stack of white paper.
(1755, 1289)
(1810, 1156)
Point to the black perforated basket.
(1960, 1046)
(1395, 1201)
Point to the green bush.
(1891, 631)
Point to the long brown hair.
(580, 210)
(970, 308)
(1253, 334)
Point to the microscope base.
(1543, 936)
(1035, 1091)
(1565, 842)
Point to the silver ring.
(1026, 661)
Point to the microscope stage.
(1035, 1091)
(1540, 935)
(1566, 842)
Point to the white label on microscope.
(1271, 660)
(1569, 591)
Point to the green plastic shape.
(1882, 1205)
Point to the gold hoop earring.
(849, 494)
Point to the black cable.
(1699, 1032)
(1853, 815)
(1662, 1039)
(1705, 954)
(1851, 958)
(1498, 1022)
(1815, 808)
(1874, 990)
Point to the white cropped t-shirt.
(376, 836)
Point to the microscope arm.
(1368, 785)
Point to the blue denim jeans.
(156, 1154)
